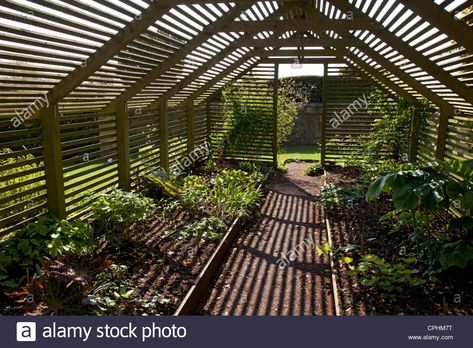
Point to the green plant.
(114, 212)
(398, 121)
(194, 193)
(234, 193)
(112, 295)
(292, 96)
(158, 186)
(282, 169)
(46, 238)
(210, 165)
(247, 166)
(339, 196)
(390, 279)
(417, 194)
(20, 174)
(209, 228)
(314, 169)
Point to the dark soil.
(159, 263)
(251, 282)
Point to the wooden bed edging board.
(333, 271)
(194, 295)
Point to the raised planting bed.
(395, 281)
(156, 266)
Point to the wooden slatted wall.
(344, 86)
(177, 134)
(89, 153)
(144, 142)
(254, 110)
(22, 184)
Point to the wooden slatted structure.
(252, 139)
(126, 83)
(348, 114)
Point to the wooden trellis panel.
(177, 134)
(200, 125)
(428, 138)
(344, 87)
(460, 135)
(144, 142)
(255, 141)
(89, 153)
(22, 177)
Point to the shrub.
(394, 128)
(417, 194)
(247, 166)
(45, 238)
(315, 169)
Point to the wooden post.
(275, 114)
(123, 147)
(53, 161)
(208, 121)
(190, 127)
(323, 121)
(414, 141)
(164, 135)
(442, 130)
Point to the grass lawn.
(302, 153)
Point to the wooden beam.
(175, 58)
(410, 53)
(123, 147)
(442, 130)
(190, 127)
(52, 154)
(296, 25)
(210, 63)
(300, 53)
(320, 60)
(119, 41)
(275, 114)
(363, 66)
(445, 21)
(164, 135)
(292, 42)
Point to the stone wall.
(307, 127)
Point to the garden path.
(273, 269)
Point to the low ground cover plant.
(314, 169)
(46, 238)
(115, 212)
(335, 197)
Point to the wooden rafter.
(411, 53)
(297, 25)
(214, 60)
(175, 58)
(443, 20)
(120, 40)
